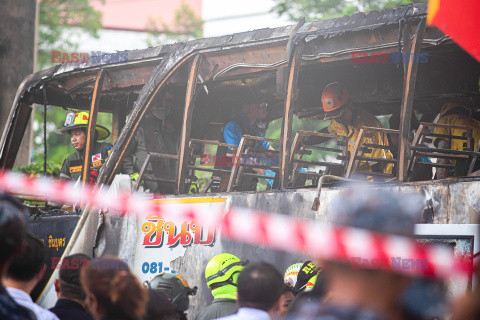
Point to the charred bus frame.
(285, 61)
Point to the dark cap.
(175, 288)
(12, 226)
(71, 266)
(379, 210)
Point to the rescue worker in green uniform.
(76, 126)
(221, 274)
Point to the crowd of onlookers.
(105, 288)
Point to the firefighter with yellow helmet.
(346, 122)
(76, 126)
(221, 274)
(455, 115)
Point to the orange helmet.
(334, 97)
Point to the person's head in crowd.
(68, 285)
(380, 211)
(260, 286)
(283, 305)
(291, 274)
(320, 286)
(27, 269)
(315, 291)
(12, 230)
(175, 288)
(112, 290)
(159, 307)
(306, 277)
(221, 274)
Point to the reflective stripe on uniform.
(76, 169)
(97, 164)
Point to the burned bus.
(179, 97)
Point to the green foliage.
(187, 26)
(326, 9)
(57, 144)
(36, 170)
(56, 19)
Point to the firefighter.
(176, 289)
(346, 122)
(221, 275)
(455, 115)
(76, 126)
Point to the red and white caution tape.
(360, 247)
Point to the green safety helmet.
(174, 287)
(221, 275)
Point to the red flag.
(459, 19)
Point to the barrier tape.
(281, 232)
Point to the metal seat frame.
(150, 156)
(192, 159)
(359, 149)
(237, 168)
(298, 148)
(417, 150)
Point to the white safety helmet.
(291, 274)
